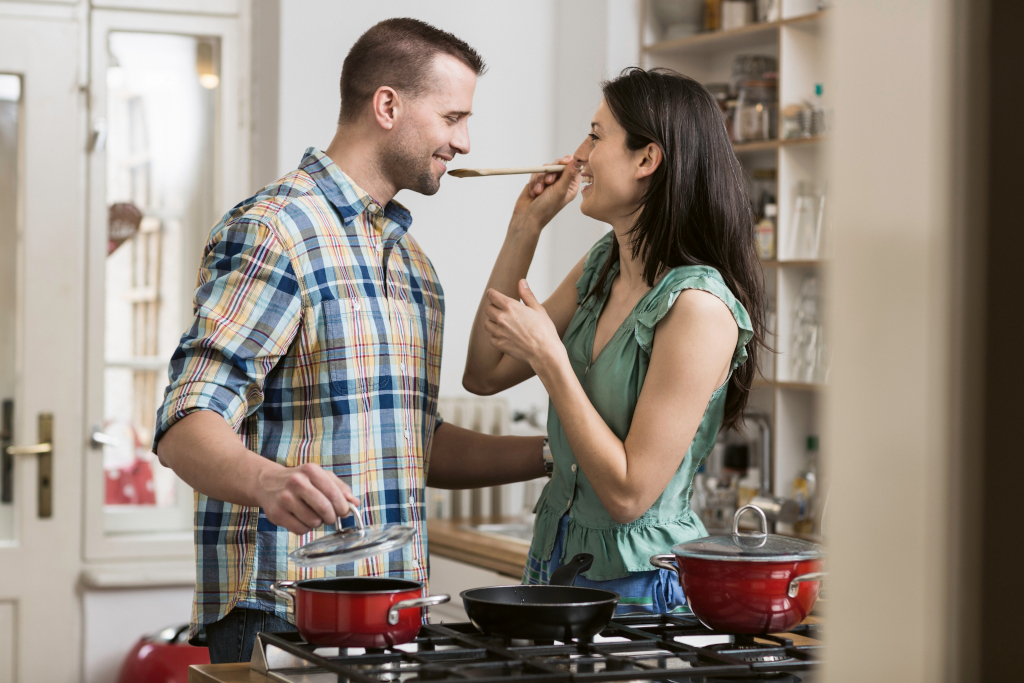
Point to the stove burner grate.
(636, 648)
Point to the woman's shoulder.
(703, 285)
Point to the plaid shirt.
(317, 336)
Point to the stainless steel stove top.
(639, 648)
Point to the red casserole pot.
(357, 611)
(750, 583)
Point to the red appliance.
(162, 658)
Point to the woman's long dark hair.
(695, 210)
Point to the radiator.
(488, 415)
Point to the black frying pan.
(560, 611)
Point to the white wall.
(534, 104)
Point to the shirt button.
(380, 246)
(406, 434)
(412, 500)
(372, 208)
(402, 365)
(355, 305)
(573, 468)
(416, 563)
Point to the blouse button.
(573, 468)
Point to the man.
(308, 380)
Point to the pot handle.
(665, 562)
(794, 585)
(760, 513)
(284, 589)
(417, 603)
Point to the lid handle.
(760, 513)
(354, 511)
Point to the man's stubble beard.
(402, 162)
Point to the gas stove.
(634, 648)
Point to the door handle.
(38, 449)
(98, 439)
(44, 452)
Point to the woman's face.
(609, 178)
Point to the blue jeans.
(653, 592)
(232, 638)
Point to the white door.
(167, 105)
(42, 268)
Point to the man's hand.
(304, 497)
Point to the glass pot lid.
(354, 543)
(759, 546)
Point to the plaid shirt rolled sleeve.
(247, 312)
(317, 336)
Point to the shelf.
(798, 263)
(760, 383)
(800, 386)
(750, 34)
(764, 145)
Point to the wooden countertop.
(225, 673)
(449, 538)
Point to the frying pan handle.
(417, 603)
(794, 585)
(284, 589)
(665, 562)
(567, 573)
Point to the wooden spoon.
(480, 172)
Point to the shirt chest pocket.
(356, 346)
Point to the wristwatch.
(549, 461)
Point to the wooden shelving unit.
(797, 40)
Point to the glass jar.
(757, 111)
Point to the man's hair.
(397, 53)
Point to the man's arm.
(247, 312)
(464, 459)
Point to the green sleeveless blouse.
(613, 384)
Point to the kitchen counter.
(503, 554)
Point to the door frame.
(231, 180)
(43, 561)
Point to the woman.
(648, 347)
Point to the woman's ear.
(650, 160)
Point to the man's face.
(432, 129)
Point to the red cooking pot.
(748, 582)
(357, 611)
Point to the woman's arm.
(489, 371)
(693, 347)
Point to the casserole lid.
(353, 543)
(750, 546)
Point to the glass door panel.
(162, 98)
(10, 138)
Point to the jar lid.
(751, 546)
(353, 543)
